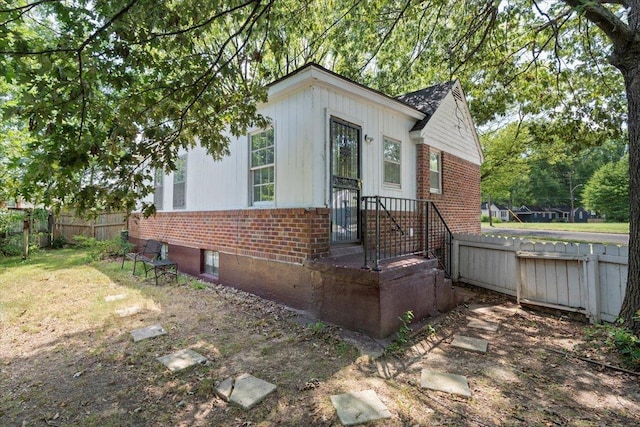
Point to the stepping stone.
(448, 383)
(111, 298)
(182, 359)
(482, 324)
(147, 332)
(129, 311)
(224, 389)
(246, 391)
(359, 407)
(492, 310)
(472, 344)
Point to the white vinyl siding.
(262, 167)
(450, 130)
(391, 155)
(435, 167)
(300, 121)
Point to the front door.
(345, 181)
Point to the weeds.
(402, 336)
(615, 336)
(318, 327)
(198, 285)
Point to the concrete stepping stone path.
(468, 343)
(359, 407)
(494, 311)
(182, 359)
(482, 324)
(111, 298)
(147, 332)
(448, 383)
(246, 390)
(129, 311)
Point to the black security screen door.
(345, 182)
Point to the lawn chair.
(150, 252)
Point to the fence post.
(25, 236)
(455, 259)
(593, 287)
(519, 269)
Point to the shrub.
(615, 336)
(485, 218)
(115, 247)
(59, 242)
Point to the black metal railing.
(394, 227)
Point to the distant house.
(551, 214)
(335, 155)
(580, 214)
(497, 211)
(15, 204)
(536, 214)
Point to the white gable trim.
(451, 130)
(314, 76)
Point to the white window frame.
(158, 189)
(254, 169)
(184, 183)
(435, 154)
(386, 161)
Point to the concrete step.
(345, 250)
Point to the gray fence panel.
(587, 278)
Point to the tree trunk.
(626, 60)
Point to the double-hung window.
(435, 167)
(179, 183)
(262, 167)
(391, 161)
(158, 184)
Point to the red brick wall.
(422, 172)
(460, 200)
(290, 235)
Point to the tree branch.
(203, 23)
(386, 35)
(28, 6)
(615, 28)
(106, 25)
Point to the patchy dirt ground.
(56, 372)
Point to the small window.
(158, 184)
(211, 261)
(179, 182)
(391, 161)
(262, 167)
(164, 251)
(435, 166)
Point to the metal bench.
(149, 256)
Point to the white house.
(292, 192)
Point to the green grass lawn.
(603, 227)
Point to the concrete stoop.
(373, 300)
(446, 295)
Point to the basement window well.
(211, 263)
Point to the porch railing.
(394, 227)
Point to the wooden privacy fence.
(12, 234)
(587, 278)
(105, 226)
